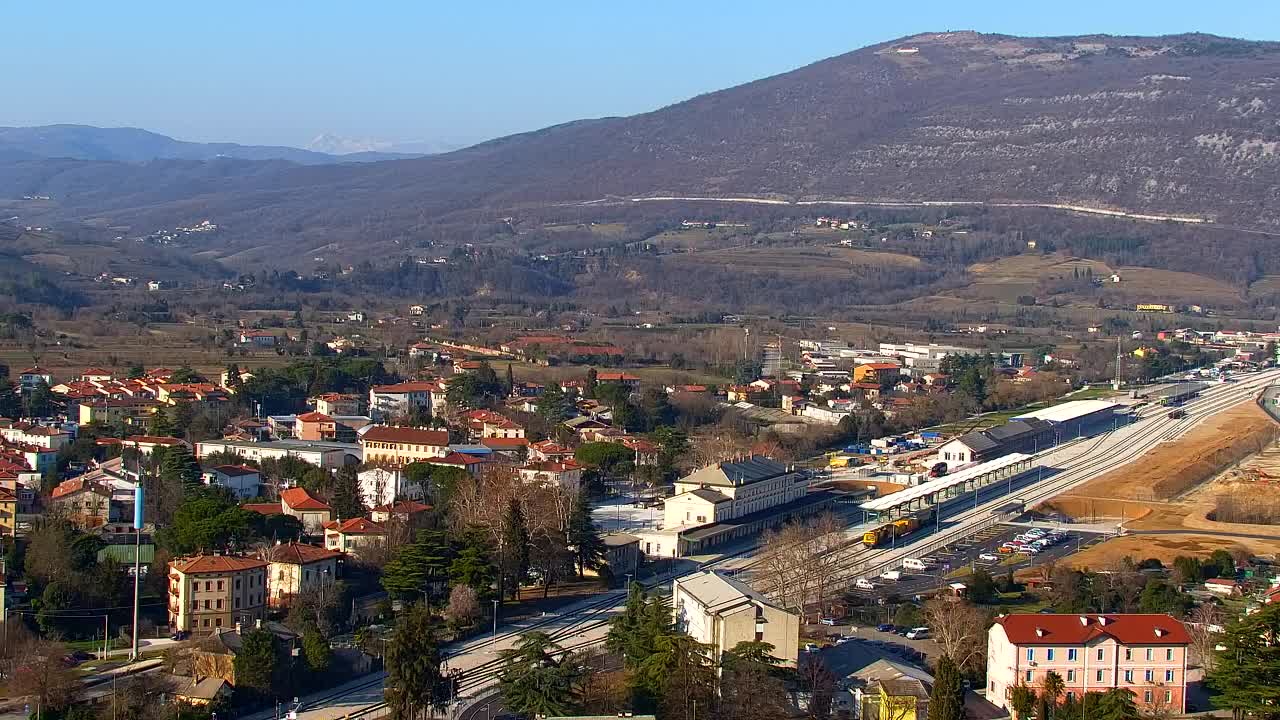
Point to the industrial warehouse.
(1031, 432)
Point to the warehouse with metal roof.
(1078, 417)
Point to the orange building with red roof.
(207, 592)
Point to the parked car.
(989, 557)
(864, 584)
(810, 648)
(885, 627)
(918, 633)
(827, 621)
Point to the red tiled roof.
(616, 377)
(403, 507)
(314, 417)
(235, 470)
(216, 564)
(880, 366)
(552, 466)
(454, 458)
(96, 371)
(153, 440)
(295, 553)
(76, 485)
(413, 436)
(1070, 629)
(264, 508)
(356, 526)
(299, 499)
(504, 443)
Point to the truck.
(891, 575)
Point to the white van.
(919, 633)
(914, 564)
(891, 575)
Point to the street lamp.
(493, 647)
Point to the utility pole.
(137, 562)
(1115, 384)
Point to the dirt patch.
(1164, 548)
(1173, 468)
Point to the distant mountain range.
(132, 145)
(1176, 124)
(338, 145)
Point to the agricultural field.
(800, 262)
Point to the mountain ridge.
(1167, 125)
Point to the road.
(584, 624)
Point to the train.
(898, 528)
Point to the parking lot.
(954, 562)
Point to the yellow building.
(296, 568)
(8, 512)
(398, 446)
(886, 690)
(129, 411)
(207, 592)
(875, 372)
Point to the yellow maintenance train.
(897, 528)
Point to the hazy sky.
(282, 72)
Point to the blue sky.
(283, 72)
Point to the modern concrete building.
(721, 612)
(1145, 654)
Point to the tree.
(960, 629)
(207, 520)
(946, 702)
(318, 607)
(981, 587)
(1203, 625)
(817, 681)
(346, 499)
(464, 607)
(1246, 673)
(515, 548)
(178, 466)
(680, 674)
(473, 565)
(40, 401)
(552, 404)
(1120, 704)
(1220, 564)
(419, 566)
(45, 678)
(538, 678)
(1022, 700)
(317, 651)
(184, 375)
(160, 424)
(908, 615)
(414, 681)
(584, 539)
(511, 380)
(1051, 689)
(592, 383)
(634, 632)
(255, 663)
(609, 459)
(751, 683)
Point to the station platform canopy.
(937, 485)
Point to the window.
(1031, 654)
(205, 622)
(1168, 676)
(217, 622)
(237, 583)
(1150, 654)
(1149, 676)
(1071, 696)
(1128, 676)
(1099, 676)
(1048, 654)
(219, 603)
(1128, 653)
(1071, 676)
(208, 585)
(1168, 696)
(1168, 654)
(1028, 672)
(219, 584)
(1071, 654)
(1100, 653)
(206, 604)
(1146, 696)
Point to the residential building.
(404, 511)
(44, 436)
(354, 536)
(294, 568)
(1145, 654)
(327, 455)
(728, 490)
(398, 446)
(567, 474)
(207, 592)
(299, 503)
(379, 486)
(886, 690)
(622, 554)
(126, 411)
(400, 400)
(257, 338)
(317, 426)
(31, 377)
(86, 503)
(333, 404)
(244, 481)
(878, 372)
(721, 612)
(919, 358)
(550, 450)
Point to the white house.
(244, 481)
(400, 400)
(381, 486)
(721, 612)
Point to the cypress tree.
(946, 702)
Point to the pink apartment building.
(1146, 654)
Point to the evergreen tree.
(180, 467)
(317, 651)
(634, 633)
(680, 675)
(414, 681)
(473, 565)
(136, 371)
(751, 683)
(511, 380)
(418, 567)
(346, 499)
(537, 678)
(39, 402)
(255, 663)
(1022, 700)
(589, 387)
(946, 702)
(1246, 673)
(588, 548)
(10, 400)
(234, 383)
(552, 404)
(515, 548)
(1120, 704)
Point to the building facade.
(398, 446)
(400, 400)
(729, 490)
(207, 592)
(1145, 654)
(721, 612)
(294, 568)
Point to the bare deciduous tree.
(464, 606)
(960, 629)
(1204, 625)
